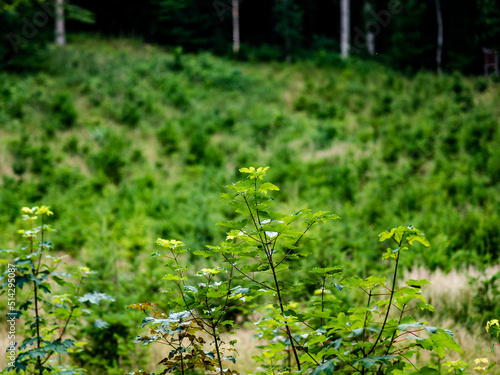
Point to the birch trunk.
(439, 51)
(60, 31)
(236, 27)
(345, 27)
(370, 35)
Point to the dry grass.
(451, 294)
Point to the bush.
(63, 110)
(48, 318)
(259, 255)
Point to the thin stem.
(72, 309)
(182, 358)
(227, 296)
(278, 292)
(393, 335)
(295, 244)
(217, 348)
(190, 311)
(389, 306)
(305, 351)
(283, 312)
(182, 293)
(34, 271)
(364, 326)
(323, 299)
(245, 275)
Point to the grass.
(452, 295)
(129, 142)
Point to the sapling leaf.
(389, 254)
(429, 371)
(100, 324)
(326, 271)
(233, 224)
(419, 238)
(264, 187)
(424, 306)
(95, 298)
(385, 235)
(326, 368)
(417, 283)
(443, 339)
(493, 364)
(431, 329)
(369, 362)
(170, 277)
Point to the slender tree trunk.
(439, 51)
(286, 29)
(60, 29)
(370, 35)
(236, 27)
(345, 27)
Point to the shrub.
(63, 110)
(48, 317)
(260, 254)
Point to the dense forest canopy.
(405, 32)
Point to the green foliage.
(48, 317)
(63, 110)
(485, 300)
(261, 248)
(371, 145)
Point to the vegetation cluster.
(127, 142)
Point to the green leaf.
(209, 354)
(419, 238)
(358, 331)
(369, 362)
(326, 271)
(490, 367)
(429, 371)
(417, 283)
(100, 324)
(233, 224)
(264, 187)
(95, 298)
(385, 235)
(424, 306)
(171, 277)
(326, 368)
(316, 339)
(431, 329)
(338, 287)
(59, 346)
(441, 340)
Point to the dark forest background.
(407, 41)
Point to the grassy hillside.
(127, 143)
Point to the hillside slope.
(128, 143)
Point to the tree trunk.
(370, 35)
(439, 51)
(287, 29)
(345, 27)
(236, 27)
(60, 37)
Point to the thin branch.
(245, 275)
